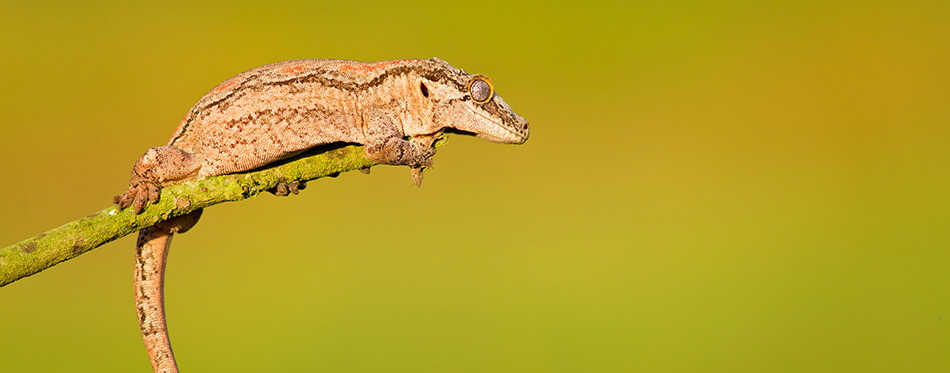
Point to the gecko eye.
(481, 89)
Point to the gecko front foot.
(159, 166)
(416, 153)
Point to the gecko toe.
(417, 176)
(124, 199)
(153, 193)
(138, 204)
(143, 195)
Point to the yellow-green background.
(735, 186)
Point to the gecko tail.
(151, 253)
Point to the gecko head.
(469, 103)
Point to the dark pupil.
(480, 90)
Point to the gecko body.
(395, 109)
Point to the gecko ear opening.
(424, 89)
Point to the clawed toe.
(125, 199)
(143, 194)
(138, 196)
(153, 193)
(417, 176)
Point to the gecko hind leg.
(385, 143)
(158, 167)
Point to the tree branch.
(65, 242)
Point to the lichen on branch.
(68, 241)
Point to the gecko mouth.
(497, 130)
(457, 131)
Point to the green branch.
(65, 242)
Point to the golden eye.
(481, 89)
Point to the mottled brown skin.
(396, 109)
(278, 110)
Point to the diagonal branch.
(65, 242)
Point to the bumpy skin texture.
(396, 109)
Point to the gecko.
(396, 109)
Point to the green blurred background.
(740, 186)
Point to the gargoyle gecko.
(396, 109)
